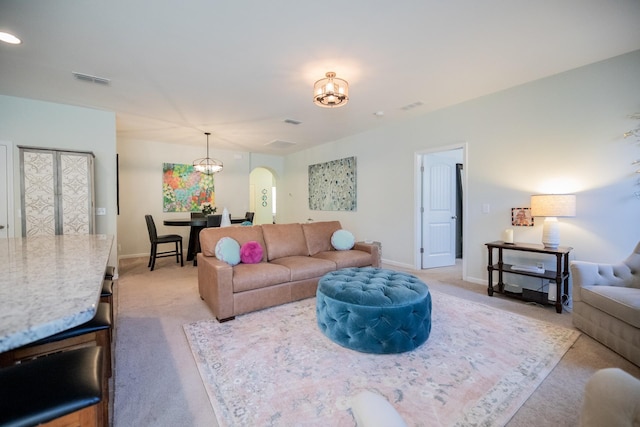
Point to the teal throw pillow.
(228, 250)
(342, 240)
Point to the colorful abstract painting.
(332, 185)
(184, 189)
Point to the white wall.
(559, 134)
(141, 187)
(34, 123)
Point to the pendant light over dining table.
(207, 165)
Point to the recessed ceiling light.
(9, 38)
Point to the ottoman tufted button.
(388, 311)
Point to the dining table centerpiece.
(207, 208)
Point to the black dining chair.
(157, 240)
(248, 216)
(214, 220)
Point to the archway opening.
(262, 195)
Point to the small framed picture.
(521, 217)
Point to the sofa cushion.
(342, 240)
(228, 250)
(209, 237)
(305, 267)
(283, 240)
(621, 303)
(251, 252)
(345, 259)
(318, 235)
(255, 276)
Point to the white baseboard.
(397, 264)
(146, 255)
(476, 280)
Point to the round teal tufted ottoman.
(374, 310)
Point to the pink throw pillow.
(251, 252)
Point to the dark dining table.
(196, 224)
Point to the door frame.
(11, 232)
(417, 224)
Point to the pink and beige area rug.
(275, 368)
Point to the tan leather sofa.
(606, 303)
(295, 257)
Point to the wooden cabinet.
(57, 192)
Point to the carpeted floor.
(274, 367)
(157, 382)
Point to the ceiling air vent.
(279, 144)
(412, 106)
(90, 78)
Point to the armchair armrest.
(593, 274)
(215, 284)
(370, 248)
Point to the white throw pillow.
(228, 250)
(372, 410)
(343, 240)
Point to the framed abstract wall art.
(332, 185)
(184, 189)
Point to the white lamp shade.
(553, 205)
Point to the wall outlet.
(101, 211)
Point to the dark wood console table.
(560, 275)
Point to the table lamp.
(552, 206)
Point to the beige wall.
(27, 122)
(559, 134)
(141, 187)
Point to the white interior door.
(439, 210)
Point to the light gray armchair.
(606, 303)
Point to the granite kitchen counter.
(49, 284)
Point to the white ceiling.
(238, 69)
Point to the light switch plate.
(101, 211)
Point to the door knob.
(454, 217)
(1, 227)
